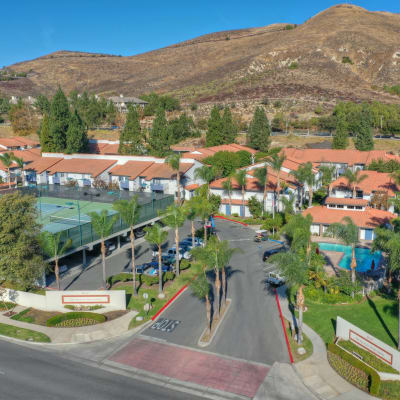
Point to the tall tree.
(174, 162)
(341, 136)
(259, 131)
(58, 122)
(241, 179)
(204, 209)
(261, 174)
(42, 104)
(20, 163)
(354, 179)
(102, 223)
(44, 134)
(54, 247)
(347, 232)
(229, 128)
(131, 138)
(129, 210)
(327, 176)
(294, 270)
(207, 174)
(201, 289)
(20, 254)
(228, 189)
(276, 161)
(158, 137)
(191, 212)
(310, 180)
(77, 140)
(364, 139)
(174, 217)
(214, 136)
(157, 236)
(7, 159)
(301, 176)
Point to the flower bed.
(75, 319)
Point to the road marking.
(238, 240)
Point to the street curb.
(205, 344)
(169, 302)
(232, 220)
(283, 327)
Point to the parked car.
(110, 247)
(275, 279)
(165, 259)
(182, 253)
(139, 233)
(183, 250)
(140, 269)
(188, 241)
(269, 252)
(154, 271)
(261, 236)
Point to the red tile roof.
(133, 169)
(192, 187)
(82, 166)
(375, 181)
(42, 164)
(164, 171)
(370, 218)
(346, 201)
(103, 148)
(203, 152)
(18, 141)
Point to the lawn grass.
(23, 334)
(137, 303)
(294, 346)
(377, 316)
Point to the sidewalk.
(315, 371)
(106, 330)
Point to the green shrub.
(185, 264)
(277, 104)
(319, 110)
(368, 358)
(347, 60)
(21, 316)
(353, 369)
(235, 214)
(122, 277)
(293, 65)
(81, 319)
(289, 27)
(149, 280)
(389, 390)
(317, 295)
(193, 106)
(90, 308)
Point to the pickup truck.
(273, 278)
(182, 253)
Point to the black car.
(139, 233)
(270, 252)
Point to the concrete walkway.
(315, 371)
(106, 330)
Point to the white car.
(273, 278)
(172, 253)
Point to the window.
(340, 206)
(350, 207)
(359, 208)
(359, 194)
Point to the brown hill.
(305, 62)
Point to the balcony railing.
(157, 187)
(124, 184)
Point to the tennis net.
(67, 221)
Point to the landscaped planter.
(75, 319)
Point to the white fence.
(57, 300)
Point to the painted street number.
(165, 325)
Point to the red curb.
(283, 326)
(232, 220)
(169, 302)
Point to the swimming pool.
(363, 256)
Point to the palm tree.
(276, 161)
(207, 174)
(347, 232)
(301, 177)
(173, 161)
(241, 179)
(191, 214)
(7, 159)
(174, 217)
(53, 247)
(395, 175)
(201, 289)
(294, 270)
(354, 178)
(157, 236)
(130, 213)
(102, 225)
(20, 163)
(327, 175)
(288, 204)
(203, 210)
(310, 180)
(261, 175)
(228, 189)
(389, 242)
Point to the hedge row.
(146, 279)
(57, 319)
(353, 369)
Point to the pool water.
(363, 256)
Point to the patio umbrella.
(373, 265)
(317, 250)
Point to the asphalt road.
(252, 329)
(118, 261)
(37, 375)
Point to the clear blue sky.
(30, 28)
